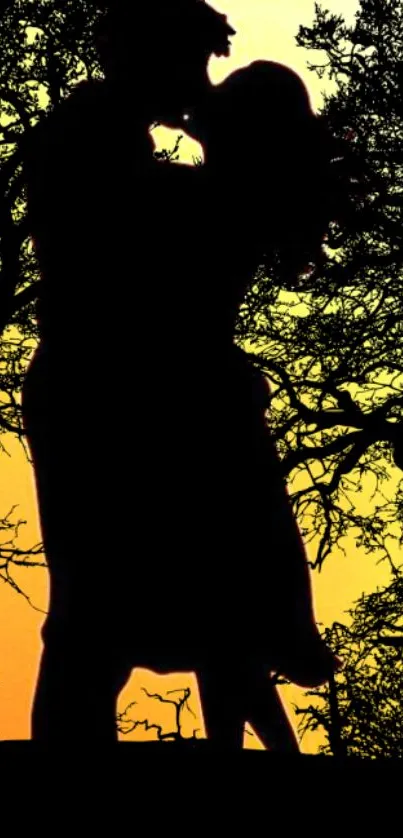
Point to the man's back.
(83, 204)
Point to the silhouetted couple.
(167, 526)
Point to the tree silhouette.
(138, 714)
(370, 687)
(12, 557)
(46, 48)
(332, 349)
(145, 714)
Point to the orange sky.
(266, 29)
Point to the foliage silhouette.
(369, 688)
(314, 361)
(333, 351)
(133, 716)
(12, 556)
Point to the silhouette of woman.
(278, 204)
(211, 438)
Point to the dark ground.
(175, 789)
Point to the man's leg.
(81, 671)
(222, 702)
(77, 689)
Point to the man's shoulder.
(90, 93)
(81, 103)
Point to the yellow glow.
(265, 30)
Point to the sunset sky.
(266, 29)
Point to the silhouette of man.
(85, 160)
(98, 629)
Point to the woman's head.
(258, 108)
(160, 49)
(261, 133)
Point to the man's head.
(159, 50)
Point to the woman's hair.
(154, 23)
(265, 135)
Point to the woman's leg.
(230, 698)
(278, 615)
(266, 714)
(294, 639)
